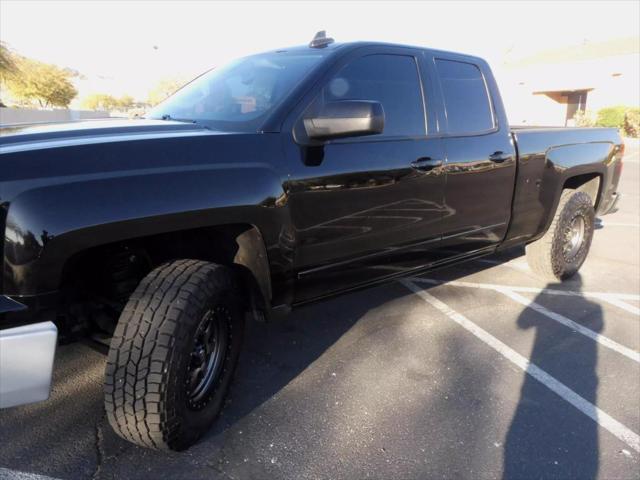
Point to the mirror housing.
(346, 118)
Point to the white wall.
(518, 85)
(11, 116)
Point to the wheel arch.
(590, 183)
(237, 245)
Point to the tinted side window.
(391, 80)
(465, 96)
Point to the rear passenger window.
(391, 80)
(466, 97)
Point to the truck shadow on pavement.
(276, 353)
(548, 437)
(68, 436)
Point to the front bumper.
(26, 360)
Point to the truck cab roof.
(343, 47)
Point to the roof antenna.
(321, 40)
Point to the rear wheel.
(173, 354)
(562, 250)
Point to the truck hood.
(34, 137)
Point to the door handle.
(426, 164)
(499, 157)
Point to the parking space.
(476, 371)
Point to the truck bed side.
(550, 159)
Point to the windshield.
(238, 96)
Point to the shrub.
(584, 119)
(611, 117)
(631, 124)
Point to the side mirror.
(347, 118)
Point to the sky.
(126, 47)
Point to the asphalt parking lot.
(477, 371)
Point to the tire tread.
(137, 374)
(543, 254)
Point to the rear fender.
(567, 162)
(542, 175)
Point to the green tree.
(99, 101)
(163, 89)
(103, 101)
(8, 65)
(40, 83)
(611, 116)
(125, 102)
(584, 119)
(632, 123)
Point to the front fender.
(46, 226)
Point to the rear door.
(480, 157)
(365, 207)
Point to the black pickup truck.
(280, 179)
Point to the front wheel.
(562, 250)
(173, 354)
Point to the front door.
(367, 207)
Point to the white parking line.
(567, 322)
(610, 297)
(620, 304)
(603, 419)
(8, 474)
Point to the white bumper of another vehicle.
(26, 363)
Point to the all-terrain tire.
(548, 256)
(151, 357)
